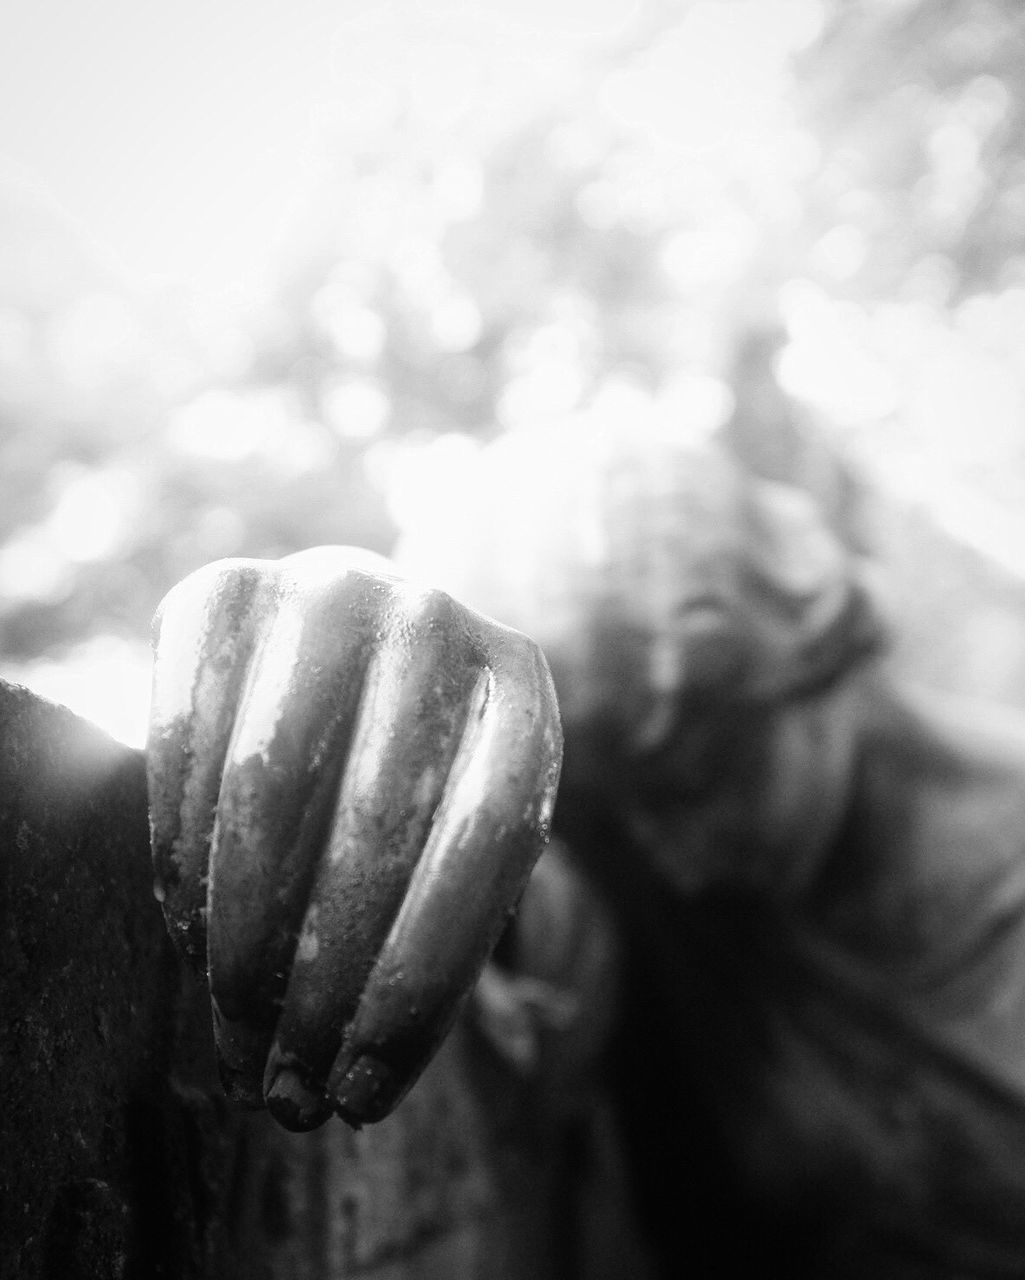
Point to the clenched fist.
(350, 780)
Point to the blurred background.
(270, 275)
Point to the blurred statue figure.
(819, 875)
(798, 890)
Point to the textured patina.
(351, 778)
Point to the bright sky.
(158, 126)
(185, 138)
(182, 136)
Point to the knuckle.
(339, 576)
(223, 587)
(349, 600)
(526, 678)
(431, 637)
(225, 579)
(517, 651)
(429, 610)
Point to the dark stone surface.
(119, 1157)
(92, 1145)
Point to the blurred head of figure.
(679, 600)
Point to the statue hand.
(350, 780)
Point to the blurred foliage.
(803, 222)
(919, 110)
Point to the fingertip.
(364, 1089)
(294, 1104)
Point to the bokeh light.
(272, 277)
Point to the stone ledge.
(118, 1155)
